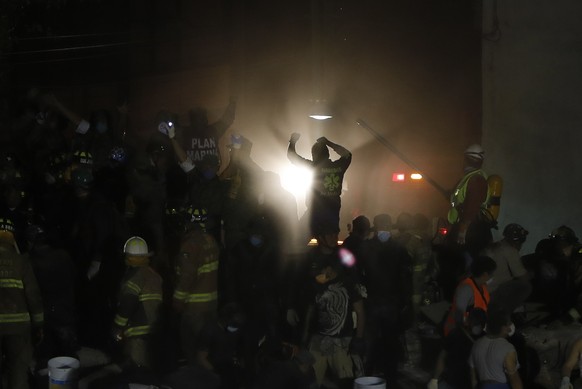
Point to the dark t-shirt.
(333, 307)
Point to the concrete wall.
(532, 113)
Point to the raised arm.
(292, 155)
(340, 150)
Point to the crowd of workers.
(187, 277)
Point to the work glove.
(566, 383)
(292, 317)
(294, 137)
(433, 384)
(93, 269)
(358, 346)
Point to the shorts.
(338, 360)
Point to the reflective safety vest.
(139, 301)
(20, 298)
(481, 300)
(197, 272)
(460, 193)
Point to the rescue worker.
(204, 186)
(471, 293)
(568, 258)
(387, 277)
(511, 286)
(325, 201)
(329, 329)
(195, 296)
(21, 310)
(471, 227)
(139, 304)
(419, 250)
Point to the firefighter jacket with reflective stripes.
(140, 299)
(460, 194)
(20, 298)
(197, 272)
(481, 300)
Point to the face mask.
(232, 329)
(256, 240)
(383, 236)
(489, 281)
(511, 330)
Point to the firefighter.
(471, 227)
(21, 311)
(195, 295)
(139, 304)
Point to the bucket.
(63, 372)
(369, 383)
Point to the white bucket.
(63, 372)
(369, 383)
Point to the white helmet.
(136, 246)
(475, 151)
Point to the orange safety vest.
(481, 300)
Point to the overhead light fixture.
(320, 110)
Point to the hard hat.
(136, 246)
(475, 151)
(564, 233)
(515, 232)
(7, 231)
(7, 225)
(118, 154)
(197, 215)
(83, 157)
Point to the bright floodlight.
(320, 110)
(320, 117)
(416, 176)
(296, 180)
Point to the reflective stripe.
(419, 267)
(11, 283)
(179, 295)
(136, 331)
(14, 317)
(150, 297)
(209, 267)
(201, 297)
(120, 320)
(132, 286)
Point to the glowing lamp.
(416, 176)
(398, 177)
(320, 110)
